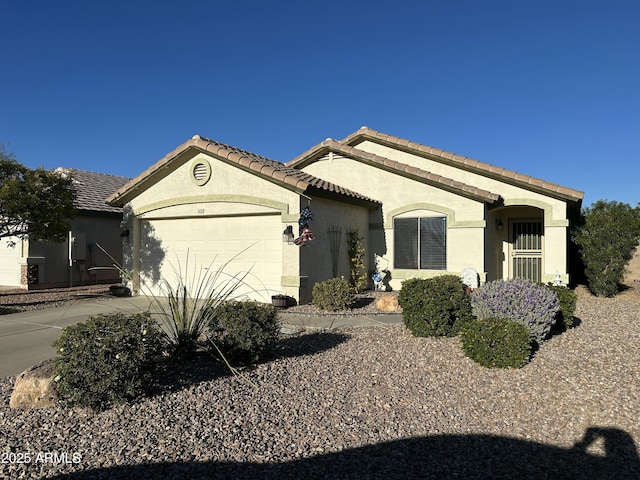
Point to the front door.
(526, 249)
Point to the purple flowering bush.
(532, 305)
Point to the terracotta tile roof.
(93, 189)
(330, 145)
(271, 169)
(449, 158)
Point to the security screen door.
(526, 249)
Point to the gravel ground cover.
(363, 403)
(17, 300)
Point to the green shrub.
(568, 300)
(333, 294)
(107, 359)
(244, 331)
(434, 306)
(530, 304)
(185, 308)
(496, 343)
(606, 240)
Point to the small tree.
(34, 203)
(607, 238)
(356, 259)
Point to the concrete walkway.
(333, 322)
(26, 337)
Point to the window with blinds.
(420, 243)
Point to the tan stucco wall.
(469, 243)
(231, 191)
(10, 262)
(228, 184)
(52, 259)
(316, 258)
(554, 210)
(404, 197)
(90, 230)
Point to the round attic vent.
(200, 172)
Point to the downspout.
(72, 245)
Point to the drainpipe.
(72, 246)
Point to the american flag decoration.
(305, 232)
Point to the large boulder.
(34, 388)
(388, 303)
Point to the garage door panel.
(211, 242)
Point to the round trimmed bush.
(333, 295)
(532, 305)
(107, 359)
(244, 331)
(434, 306)
(567, 299)
(496, 343)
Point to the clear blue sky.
(547, 88)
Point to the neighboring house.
(78, 261)
(420, 211)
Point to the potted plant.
(120, 290)
(280, 300)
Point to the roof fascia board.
(314, 191)
(97, 213)
(151, 175)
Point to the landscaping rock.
(34, 388)
(388, 303)
(372, 402)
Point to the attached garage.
(207, 204)
(200, 246)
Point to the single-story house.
(31, 264)
(419, 211)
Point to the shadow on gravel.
(308, 344)
(174, 376)
(557, 330)
(436, 457)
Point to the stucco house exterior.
(420, 212)
(31, 264)
(207, 204)
(443, 213)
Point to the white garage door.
(199, 246)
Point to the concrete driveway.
(26, 337)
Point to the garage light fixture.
(287, 235)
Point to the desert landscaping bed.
(364, 403)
